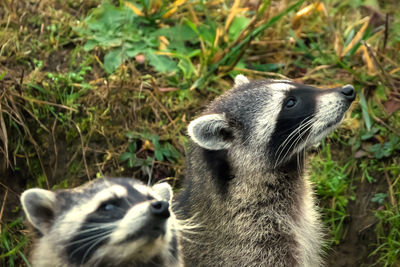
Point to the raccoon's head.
(269, 121)
(107, 220)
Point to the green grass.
(388, 233)
(334, 189)
(12, 243)
(104, 87)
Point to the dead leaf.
(163, 43)
(356, 38)
(167, 89)
(308, 10)
(173, 8)
(367, 59)
(135, 10)
(392, 105)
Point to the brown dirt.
(359, 235)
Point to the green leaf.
(158, 155)
(132, 147)
(125, 156)
(37, 87)
(379, 198)
(160, 63)
(208, 31)
(364, 108)
(155, 139)
(177, 36)
(2, 75)
(181, 32)
(90, 44)
(237, 26)
(368, 134)
(134, 49)
(131, 135)
(113, 60)
(133, 162)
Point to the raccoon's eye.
(291, 102)
(109, 205)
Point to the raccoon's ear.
(38, 205)
(240, 79)
(164, 190)
(211, 132)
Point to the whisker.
(302, 127)
(89, 238)
(296, 130)
(93, 229)
(302, 124)
(292, 144)
(95, 240)
(296, 141)
(91, 247)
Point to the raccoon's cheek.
(211, 132)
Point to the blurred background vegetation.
(92, 88)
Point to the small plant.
(379, 198)
(388, 232)
(161, 151)
(64, 89)
(386, 149)
(126, 32)
(12, 244)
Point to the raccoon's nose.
(160, 209)
(348, 92)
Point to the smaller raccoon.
(105, 222)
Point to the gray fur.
(255, 206)
(59, 216)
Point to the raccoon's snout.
(160, 209)
(348, 92)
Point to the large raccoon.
(106, 222)
(245, 181)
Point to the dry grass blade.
(3, 136)
(135, 10)
(13, 110)
(83, 151)
(357, 37)
(3, 206)
(384, 76)
(390, 186)
(370, 66)
(46, 103)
